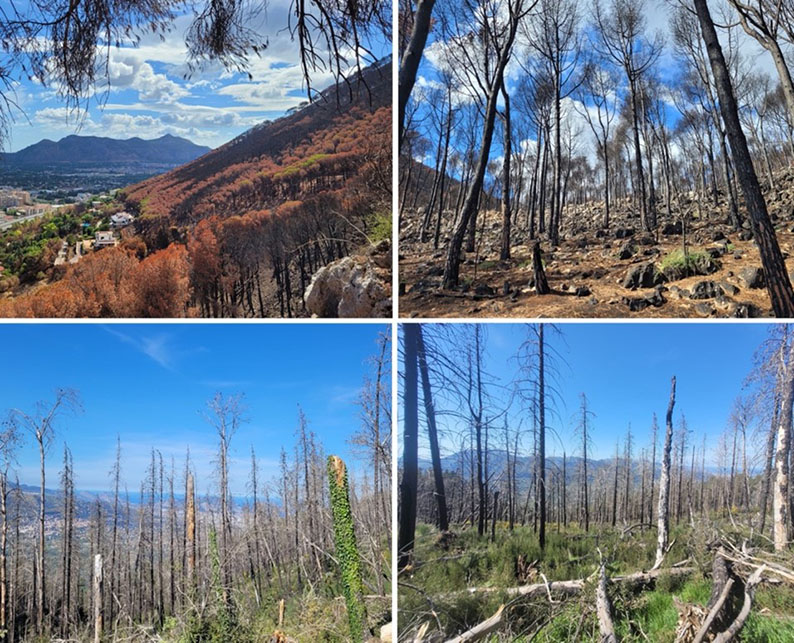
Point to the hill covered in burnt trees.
(241, 231)
(319, 147)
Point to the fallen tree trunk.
(704, 629)
(749, 594)
(722, 615)
(576, 586)
(605, 624)
(569, 587)
(483, 629)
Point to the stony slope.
(619, 272)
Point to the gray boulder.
(752, 277)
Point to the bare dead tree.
(664, 483)
(40, 424)
(408, 485)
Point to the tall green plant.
(347, 548)
(223, 629)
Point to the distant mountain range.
(167, 150)
(497, 463)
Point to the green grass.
(767, 629)
(647, 615)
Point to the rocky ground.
(619, 272)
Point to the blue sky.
(149, 383)
(625, 370)
(147, 95)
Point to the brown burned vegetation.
(242, 230)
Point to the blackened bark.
(777, 279)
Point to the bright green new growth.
(346, 548)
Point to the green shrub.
(669, 583)
(379, 227)
(676, 265)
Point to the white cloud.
(127, 71)
(149, 90)
(157, 347)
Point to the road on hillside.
(5, 225)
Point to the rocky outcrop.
(643, 275)
(356, 286)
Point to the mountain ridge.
(75, 149)
(229, 179)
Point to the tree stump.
(541, 284)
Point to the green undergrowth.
(312, 616)
(472, 561)
(433, 587)
(676, 265)
(379, 226)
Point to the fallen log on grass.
(483, 629)
(605, 624)
(575, 586)
(749, 594)
(715, 609)
(720, 616)
(569, 587)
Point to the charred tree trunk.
(430, 414)
(408, 486)
(411, 58)
(541, 284)
(504, 254)
(777, 279)
(452, 265)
